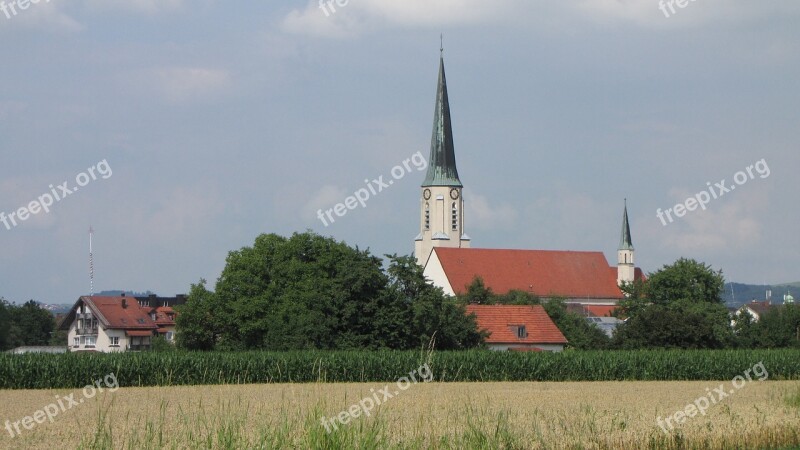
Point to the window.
(91, 341)
(170, 336)
(427, 216)
(114, 341)
(76, 341)
(454, 216)
(521, 332)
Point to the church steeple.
(626, 270)
(625, 239)
(442, 162)
(441, 202)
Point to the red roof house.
(513, 327)
(109, 324)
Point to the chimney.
(124, 301)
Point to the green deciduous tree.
(679, 306)
(29, 324)
(581, 334)
(195, 321)
(430, 312)
(778, 327)
(685, 281)
(312, 292)
(477, 293)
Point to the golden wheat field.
(595, 415)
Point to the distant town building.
(119, 323)
(755, 309)
(599, 315)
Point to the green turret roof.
(625, 242)
(442, 162)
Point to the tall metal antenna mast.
(91, 263)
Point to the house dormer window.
(521, 332)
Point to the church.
(444, 249)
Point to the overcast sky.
(218, 121)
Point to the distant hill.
(744, 293)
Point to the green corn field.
(47, 371)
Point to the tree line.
(312, 292)
(27, 324)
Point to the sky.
(191, 127)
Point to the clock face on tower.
(426, 194)
(454, 194)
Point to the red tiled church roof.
(501, 322)
(542, 272)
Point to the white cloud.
(42, 16)
(696, 12)
(19, 192)
(482, 215)
(355, 17)
(178, 84)
(732, 223)
(149, 7)
(325, 198)
(182, 211)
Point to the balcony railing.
(90, 330)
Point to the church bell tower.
(441, 196)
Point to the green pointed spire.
(625, 242)
(442, 162)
